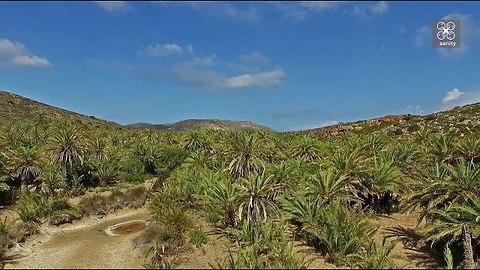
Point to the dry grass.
(100, 205)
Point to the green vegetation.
(265, 193)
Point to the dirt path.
(83, 244)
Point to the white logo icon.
(446, 30)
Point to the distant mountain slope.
(460, 120)
(202, 124)
(14, 107)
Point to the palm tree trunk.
(468, 262)
(23, 185)
(68, 178)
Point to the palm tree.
(381, 182)
(258, 196)
(3, 171)
(220, 193)
(97, 148)
(442, 147)
(328, 185)
(106, 173)
(349, 162)
(469, 149)
(245, 148)
(148, 154)
(195, 142)
(374, 145)
(301, 167)
(150, 134)
(196, 160)
(306, 147)
(26, 163)
(445, 185)
(282, 174)
(67, 151)
(424, 134)
(459, 221)
(51, 177)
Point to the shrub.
(135, 197)
(262, 246)
(169, 159)
(34, 207)
(414, 128)
(95, 205)
(101, 205)
(372, 256)
(332, 229)
(197, 237)
(397, 132)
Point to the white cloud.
(262, 79)
(321, 5)
(8, 47)
(167, 49)
(252, 62)
(13, 53)
(299, 11)
(371, 10)
(254, 58)
(458, 98)
(30, 61)
(452, 95)
(414, 110)
(205, 61)
(189, 74)
(114, 7)
(292, 11)
(223, 10)
(422, 35)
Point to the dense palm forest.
(262, 191)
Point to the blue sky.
(289, 66)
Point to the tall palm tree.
(51, 177)
(106, 173)
(282, 174)
(459, 221)
(3, 172)
(306, 147)
(349, 162)
(442, 147)
(469, 149)
(196, 160)
(374, 145)
(423, 135)
(97, 147)
(67, 151)
(328, 185)
(245, 149)
(257, 196)
(381, 182)
(195, 142)
(221, 193)
(444, 186)
(26, 164)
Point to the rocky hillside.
(459, 120)
(17, 108)
(202, 124)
